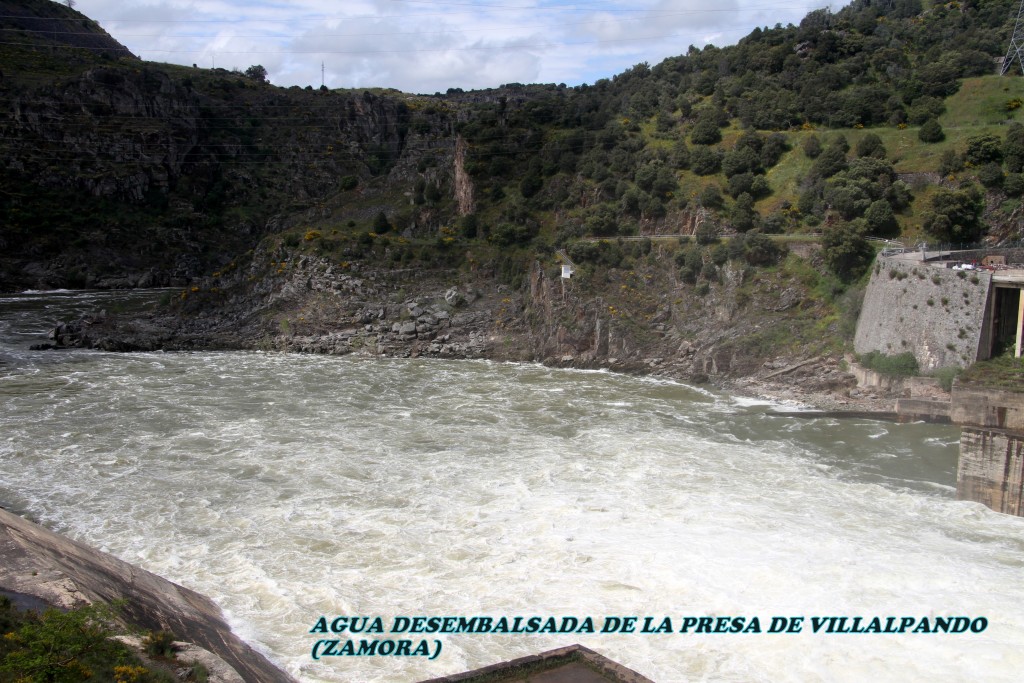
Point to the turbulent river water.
(287, 487)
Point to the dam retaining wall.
(935, 313)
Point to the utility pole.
(1016, 49)
(322, 82)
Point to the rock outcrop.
(642, 321)
(65, 573)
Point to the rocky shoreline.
(642, 322)
(819, 383)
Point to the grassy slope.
(978, 108)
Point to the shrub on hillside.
(950, 162)
(761, 250)
(982, 149)
(900, 365)
(871, 146)
(710, 197)
(705, 161)
(931, 132)
(1013, 184)
(991, 175)
(705, 132)
(955, 215)
(812, 147)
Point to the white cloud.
(431, 45)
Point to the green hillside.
(125, 166)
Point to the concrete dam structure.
(946, 315)
(991, 467)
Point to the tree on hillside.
(950, 162)
(831, 161)
(705, 132)
(871, 146)
(982, 149)
(812, 146)
(991, 175)
(257, 73)
(760, 250)
(925, 108)
(880, 219)
(710, 197)
(744, 216)
(705, 160)
(773, 149)
(955, 215)
(1013, 148)
(847, 253)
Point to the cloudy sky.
(425, 46)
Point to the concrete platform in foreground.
(573, 664)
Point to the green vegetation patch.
(900, 365)
(1004, 372)
(68, 647)
(945, 376)
(982, 102)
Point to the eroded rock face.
(65, 573)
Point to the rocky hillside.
(127, 173)
(124, 177)
(44, 23)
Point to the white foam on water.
(289, 487)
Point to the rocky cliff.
(132, 172)
(124, 173)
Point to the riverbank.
(819, 382)
(764, 336)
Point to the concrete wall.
(930, 311)
(920, 409)
(983, 407)
(875, 380)
(991, 469)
